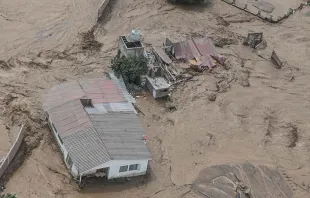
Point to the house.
(97, 129)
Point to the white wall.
(63, 149)
(114, 166)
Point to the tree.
(8, 196)
(130, 68)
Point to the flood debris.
(200, 53)
(266, 10)
(240, 180)
(89, 42)
(167, 65)
(276, 60)
(253, 39)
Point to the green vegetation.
(130, 69)
(8, 196)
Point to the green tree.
(8, 196)
(130, 68)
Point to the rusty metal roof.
(93, 135)
(201, 50)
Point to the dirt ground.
(246, 110)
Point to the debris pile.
(166, 64)
(254, 39)
(275, 60)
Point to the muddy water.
(43, 24)
(200, 133)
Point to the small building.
(129, 47)
(156, 82)
(97, 129)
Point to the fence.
(272, 17)
(102, 7)
(11, 154)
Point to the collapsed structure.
(97, 129)
(199, 53)
(154, 79)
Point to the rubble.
(275, 60)
(253, 39)
(200, 53)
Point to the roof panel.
(123, 130)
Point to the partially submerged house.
(97, 129)
(131, 45)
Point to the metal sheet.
(162, 54)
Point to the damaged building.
(97, 129)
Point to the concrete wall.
(11, 154)
(129, 52)
(114, 166)
(102, 7)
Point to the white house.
(97, 129)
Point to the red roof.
(100, 90)
(201, 49)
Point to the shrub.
(130, 68)
(8, 196)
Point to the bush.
(130, 68)
(8, 196)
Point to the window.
(133, 167)
(123, 169)
(86, 102)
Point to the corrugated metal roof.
(70, 118)
(62, 93)
(86, 149)
(123, 135)
(200, 49)
(94, 135)
(121, 84)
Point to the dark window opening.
(123, 169)
(87, 102)
(100, 170)
(133, 167)
(131, 44)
